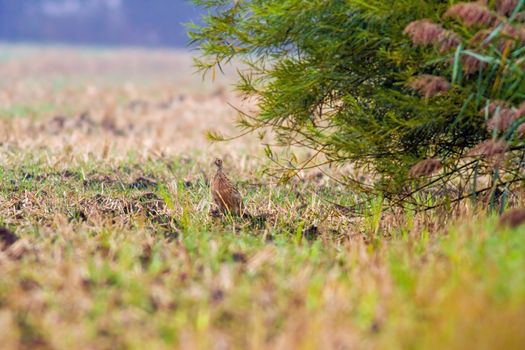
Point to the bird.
(224, 194)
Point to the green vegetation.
(107, 239)
(31, 111)
(124, 256)
(382, 85)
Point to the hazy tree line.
(122, 22)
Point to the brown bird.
(224, 193)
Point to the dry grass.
(111, 103)
(108, 192)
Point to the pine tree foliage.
(393, 87)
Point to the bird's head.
(218, 163)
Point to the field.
(105, 173)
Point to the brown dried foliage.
(521, 131)
(425, 32)
(495, 105)
(429, 85)
(480, 40)
(148, 205)
(521, 110)
(513, 218)
(501, 120)
(509, 34)
(489, 148)
(448, 40)
(471, 14)
(425, 167)
(514, 32)
(520, 113)
(472, 65)
(506, 7)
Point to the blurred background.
(104, 75)
(149, 23)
